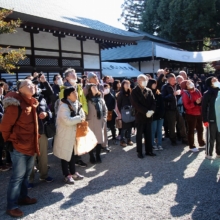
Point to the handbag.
(85, 144)
(50, 129)
(109, 116)
(118, 123)
(127, 114)
(82, 129)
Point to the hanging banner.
(186, 56)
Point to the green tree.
(9, 58)
(187, 22)
(132, 10)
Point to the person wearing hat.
(192, 98)
(19, 127)
(209, 117)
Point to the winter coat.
(208, 105)
(189, 102)
(159, 110)
(42, 107)
(110, 104)
(169, 98)
(123, 100)
(142, 104)
(65, 137)
(95, 124)
(24, 135)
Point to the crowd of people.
(177, 105)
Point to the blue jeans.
(21, 169)
(156, 128)
(128, 134)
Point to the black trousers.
(172, 118)
(68, 168)
(212, 136)
(97, 150)
(144, 128)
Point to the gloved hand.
(149, 113)
(206, 124)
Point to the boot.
(98, 151)
(92, 158)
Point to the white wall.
(91, 62)
(70, 44)
(90, 46)
(20, 38)
(46, 41)
(46, 53)
(72, 55)
(147, 66)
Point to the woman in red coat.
(192, 103)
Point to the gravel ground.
(176, 184)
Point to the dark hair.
(123, 89)
(79, 80)
(55, 76)
(28, 76)
(1, 84)
(90, 95)
(106, 85)
(171, 75)
(3, 79)
(105, 78)
(115, 83)
(67, 91)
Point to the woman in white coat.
(97, 118)
(69, 115)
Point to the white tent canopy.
(186, 56)
(119, 70)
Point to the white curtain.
(186, 56)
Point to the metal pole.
(153, 57)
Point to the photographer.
(44, 115)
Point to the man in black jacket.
(143, 101)
(172, 114)
(209, 117)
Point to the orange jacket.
(24, 134)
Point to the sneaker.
(194, 150)
(30, 186)
(69, 180)
(123, 144)
(155, 147)
(159, 147)
(208, 157)
(77, 176)
(48, 179)
(4, 168)
(80, 163)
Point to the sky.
(106, 11)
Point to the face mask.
(191, 86)
(60, 82)
(144, 83)
(73, 81)
(106, 91)
(216, 84)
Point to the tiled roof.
(151, 37)
(60, 13)
(143, 49)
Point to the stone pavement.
(176, 184)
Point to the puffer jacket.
(23, 133)
(169, 97)
(208, 105)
